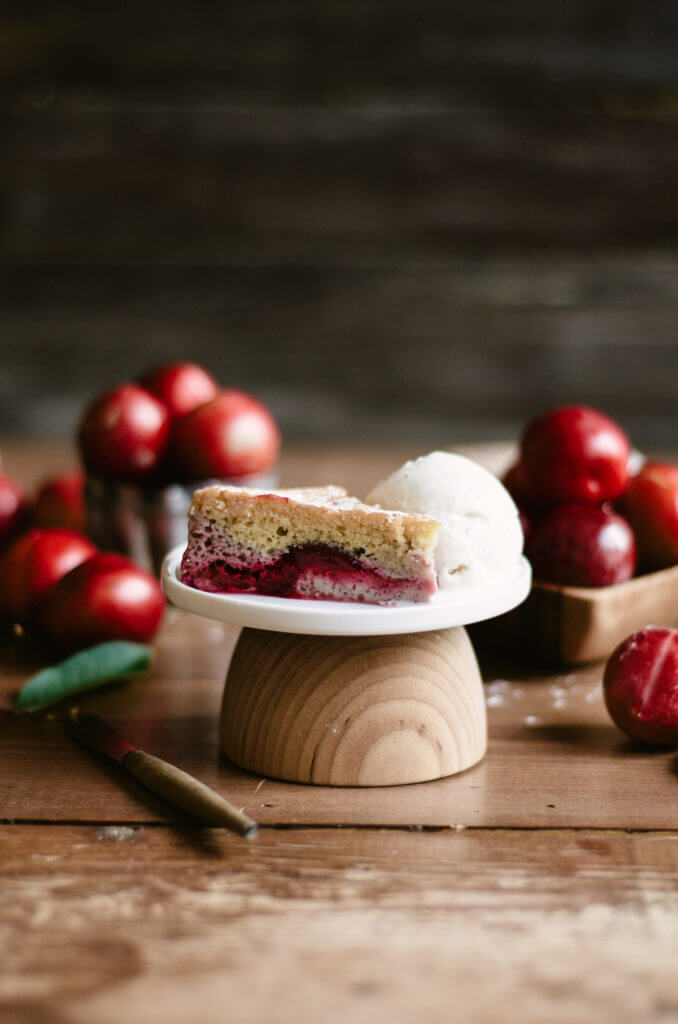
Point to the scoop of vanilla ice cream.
(480, 534)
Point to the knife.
(166, 780)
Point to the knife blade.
(166, 780)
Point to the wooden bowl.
(572, 625)
(354, 711)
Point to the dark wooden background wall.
(390, 218)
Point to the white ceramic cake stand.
(343, 694)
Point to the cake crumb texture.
(317, 543)
(270, 523)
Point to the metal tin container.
(145, 523)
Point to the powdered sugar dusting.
(566, 699)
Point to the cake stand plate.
(453, 607)
(341, 694)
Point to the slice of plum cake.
(307, 542)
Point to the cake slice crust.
(316, 543)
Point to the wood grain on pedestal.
(354, 711)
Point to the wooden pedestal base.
(354, 711)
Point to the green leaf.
(84, 671)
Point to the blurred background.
(393, 221)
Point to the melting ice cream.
(480, 533)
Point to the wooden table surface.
(540, 886)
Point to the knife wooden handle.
(179, 788)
